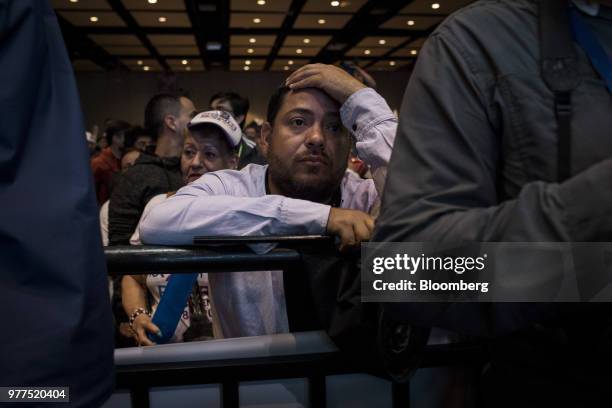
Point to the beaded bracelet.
(137, 313)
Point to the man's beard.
(318, 189)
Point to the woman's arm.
(133, 294)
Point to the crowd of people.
(300, 171)
(503, 136)
(471, 162)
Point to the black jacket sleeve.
(125, 208)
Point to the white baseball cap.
(221, 119)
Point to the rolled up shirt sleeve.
(373, 124)
(213, 206)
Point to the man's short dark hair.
(115, 127)
(157, 108)
(275, 103)
(240, 105)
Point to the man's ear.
(170, 122)
(266, 136)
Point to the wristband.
(137, 313)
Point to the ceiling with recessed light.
(246, 35)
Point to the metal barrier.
(309, 355)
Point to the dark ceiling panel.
(223, 34)
(129, 20)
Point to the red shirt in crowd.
(103, 166)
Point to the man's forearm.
(180, 218)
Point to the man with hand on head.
(307, 140)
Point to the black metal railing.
(229, 372)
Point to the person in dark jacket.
(167, 117)
(56, 320)
(475, 160)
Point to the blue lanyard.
(590, 44)
(172, 304)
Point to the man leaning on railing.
(307, 139)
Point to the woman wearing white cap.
(210, 145)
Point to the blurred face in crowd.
(307, 147)
(358, 166)
(222, 105)
(206, 149)
(251, 133)
(143, 143)
(225, 106)
(102, 142)
(129, 159)
(119, 140)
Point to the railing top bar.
(128, 260)
(207, 240)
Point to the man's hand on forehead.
(333, 80)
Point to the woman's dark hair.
(276, 101)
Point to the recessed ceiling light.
(247, 62)
(410, 22)
(250, 51)
(367, 52)
(184, 62)
(93, 19)
(306, 40)
(252, 40)
(257, 20)
(152, 1)
(321, 21)
(139, 62)
(162, 19)
(335, 3)
(290, 62)
(246, 67)
(435, 6)
(74, 1)
(146, 68)
(382, 42)
(261, 2)
(392, 63)
(413, 52)
(298, 51)
(187, 68)
(286, 68)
